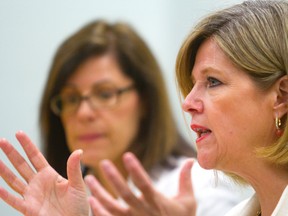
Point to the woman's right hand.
(150, 203)
(43, 191)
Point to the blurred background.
(30, 32)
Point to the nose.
(193, 102)
(85, 109)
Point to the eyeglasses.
(101, 96)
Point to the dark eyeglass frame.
(55, 107)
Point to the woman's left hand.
(150, 203)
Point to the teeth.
(200, 132)
(205, 132)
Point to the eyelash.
(211, 82)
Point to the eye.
(213, 82)
(71, 99)
(104, 94)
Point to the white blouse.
(250, 206)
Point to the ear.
(281, 103)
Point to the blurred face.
(102, 133)
(230, 115)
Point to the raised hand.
(150, 203)
(43, 191)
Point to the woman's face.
(102, 133)
(230, 115)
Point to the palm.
(151, 203)
(46, 192)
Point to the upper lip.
(199, 130)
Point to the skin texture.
(150, 202)
(225, 101)
(236, 117)
(43, 192)
(102, 133)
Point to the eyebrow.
(97, 83)
(204, 71)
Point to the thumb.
(74, 173)
(185, 181)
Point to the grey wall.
(30, 31)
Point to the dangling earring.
(278, 123)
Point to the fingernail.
(80, 152)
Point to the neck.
(268, 181)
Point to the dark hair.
(157, 135)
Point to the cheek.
(227, 122)
(240, 124)
(125, 123)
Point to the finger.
(185, 181)
(12, 180)
(98, 191)
(35, 156)
(97, 208)
(139, 176)
(17, 160)
(12, 200)
(74, 173)
(103, 198)
(119, 184)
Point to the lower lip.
(202, 137)
(89, 138)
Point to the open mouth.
(200, 131)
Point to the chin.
(206, 161)
(90, 161)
